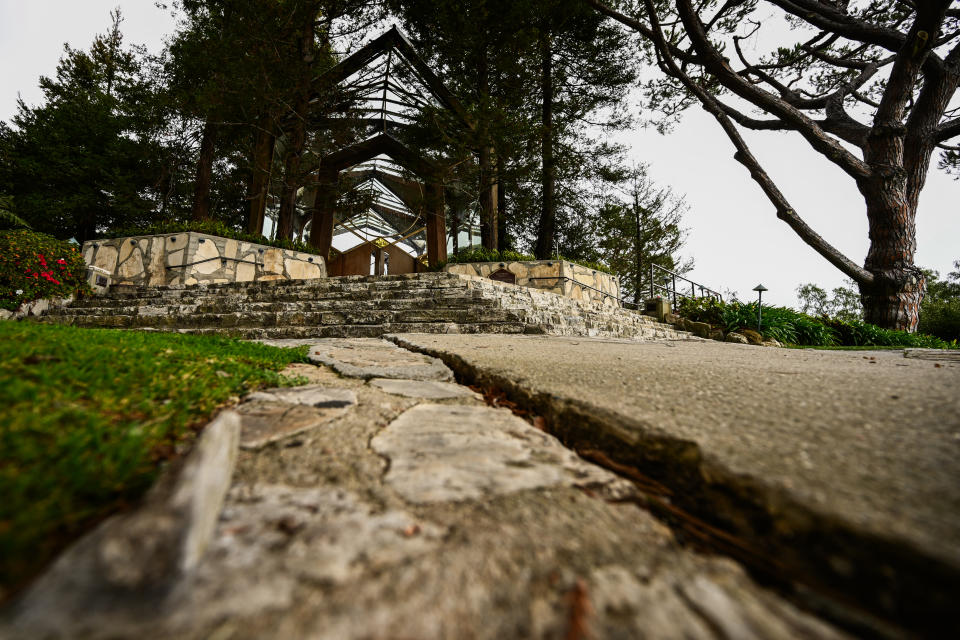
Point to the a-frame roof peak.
(393, 40)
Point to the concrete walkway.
(384, 500)
(842, 465)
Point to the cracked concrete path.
(844, 464)
(384, 515)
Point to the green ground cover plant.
(213, 228)
(89, 416)
(492, 255)
(794, 328)
(34, 265)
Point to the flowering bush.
(35, 265)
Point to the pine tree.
(85, 160)
(642, 227)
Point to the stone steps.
(357, 306)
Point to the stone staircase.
(356, 306)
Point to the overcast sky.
(735, 237)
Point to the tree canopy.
(868, 85)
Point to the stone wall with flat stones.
(193, 258)
(558, 276)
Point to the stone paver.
(402, 518)
(423, 389)
(443, 453)
(271, 416)
(375, 358)
(863, 445)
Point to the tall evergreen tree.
(85, 160)
(584, 78)
(639, 228)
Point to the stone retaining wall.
(558, 276)
(191, 258)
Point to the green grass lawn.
(88, 417)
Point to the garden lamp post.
(759, 289)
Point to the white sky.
(735, 236)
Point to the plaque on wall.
(502, 275)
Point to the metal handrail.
(582, 284)
(705, 292)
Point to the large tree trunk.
(548, 214)
(291, 173)
(488, 199)
(297, 137)
(638, 248)
(488, 182)
(893, 300)
(201, 188)
(262, 162)
(501, 217)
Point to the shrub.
(792, 327)
(707, 310)
(213, 228)
(941, 318)
(34, 265)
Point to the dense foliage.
(939, 311)
(35, 265)
(792, 327)
(88, 417)
(89, 156)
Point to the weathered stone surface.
(131, 267)
(314, 374)
(932, 354)
(701, 329)
(726, 606)
(156, 274)
(175, 258)
(273, 261)
(313, 396)
(142, 551)
(738, 338)
(313, 542)
(365, 307)
(338, 535)
(557, 276)
(424, 389)
(205, 258)
(374, 358)
(245, 272)
(177, 241)
(300, 270)
(264, 422)
(842, 466)
(717, 334)
(106, 258)
(752, 336)
(442, 452)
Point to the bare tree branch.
(639, 27)
(745, 157)
(828, 18)
(720, 69)
(948, 130)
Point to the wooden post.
(324, 206)
(435, 213)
